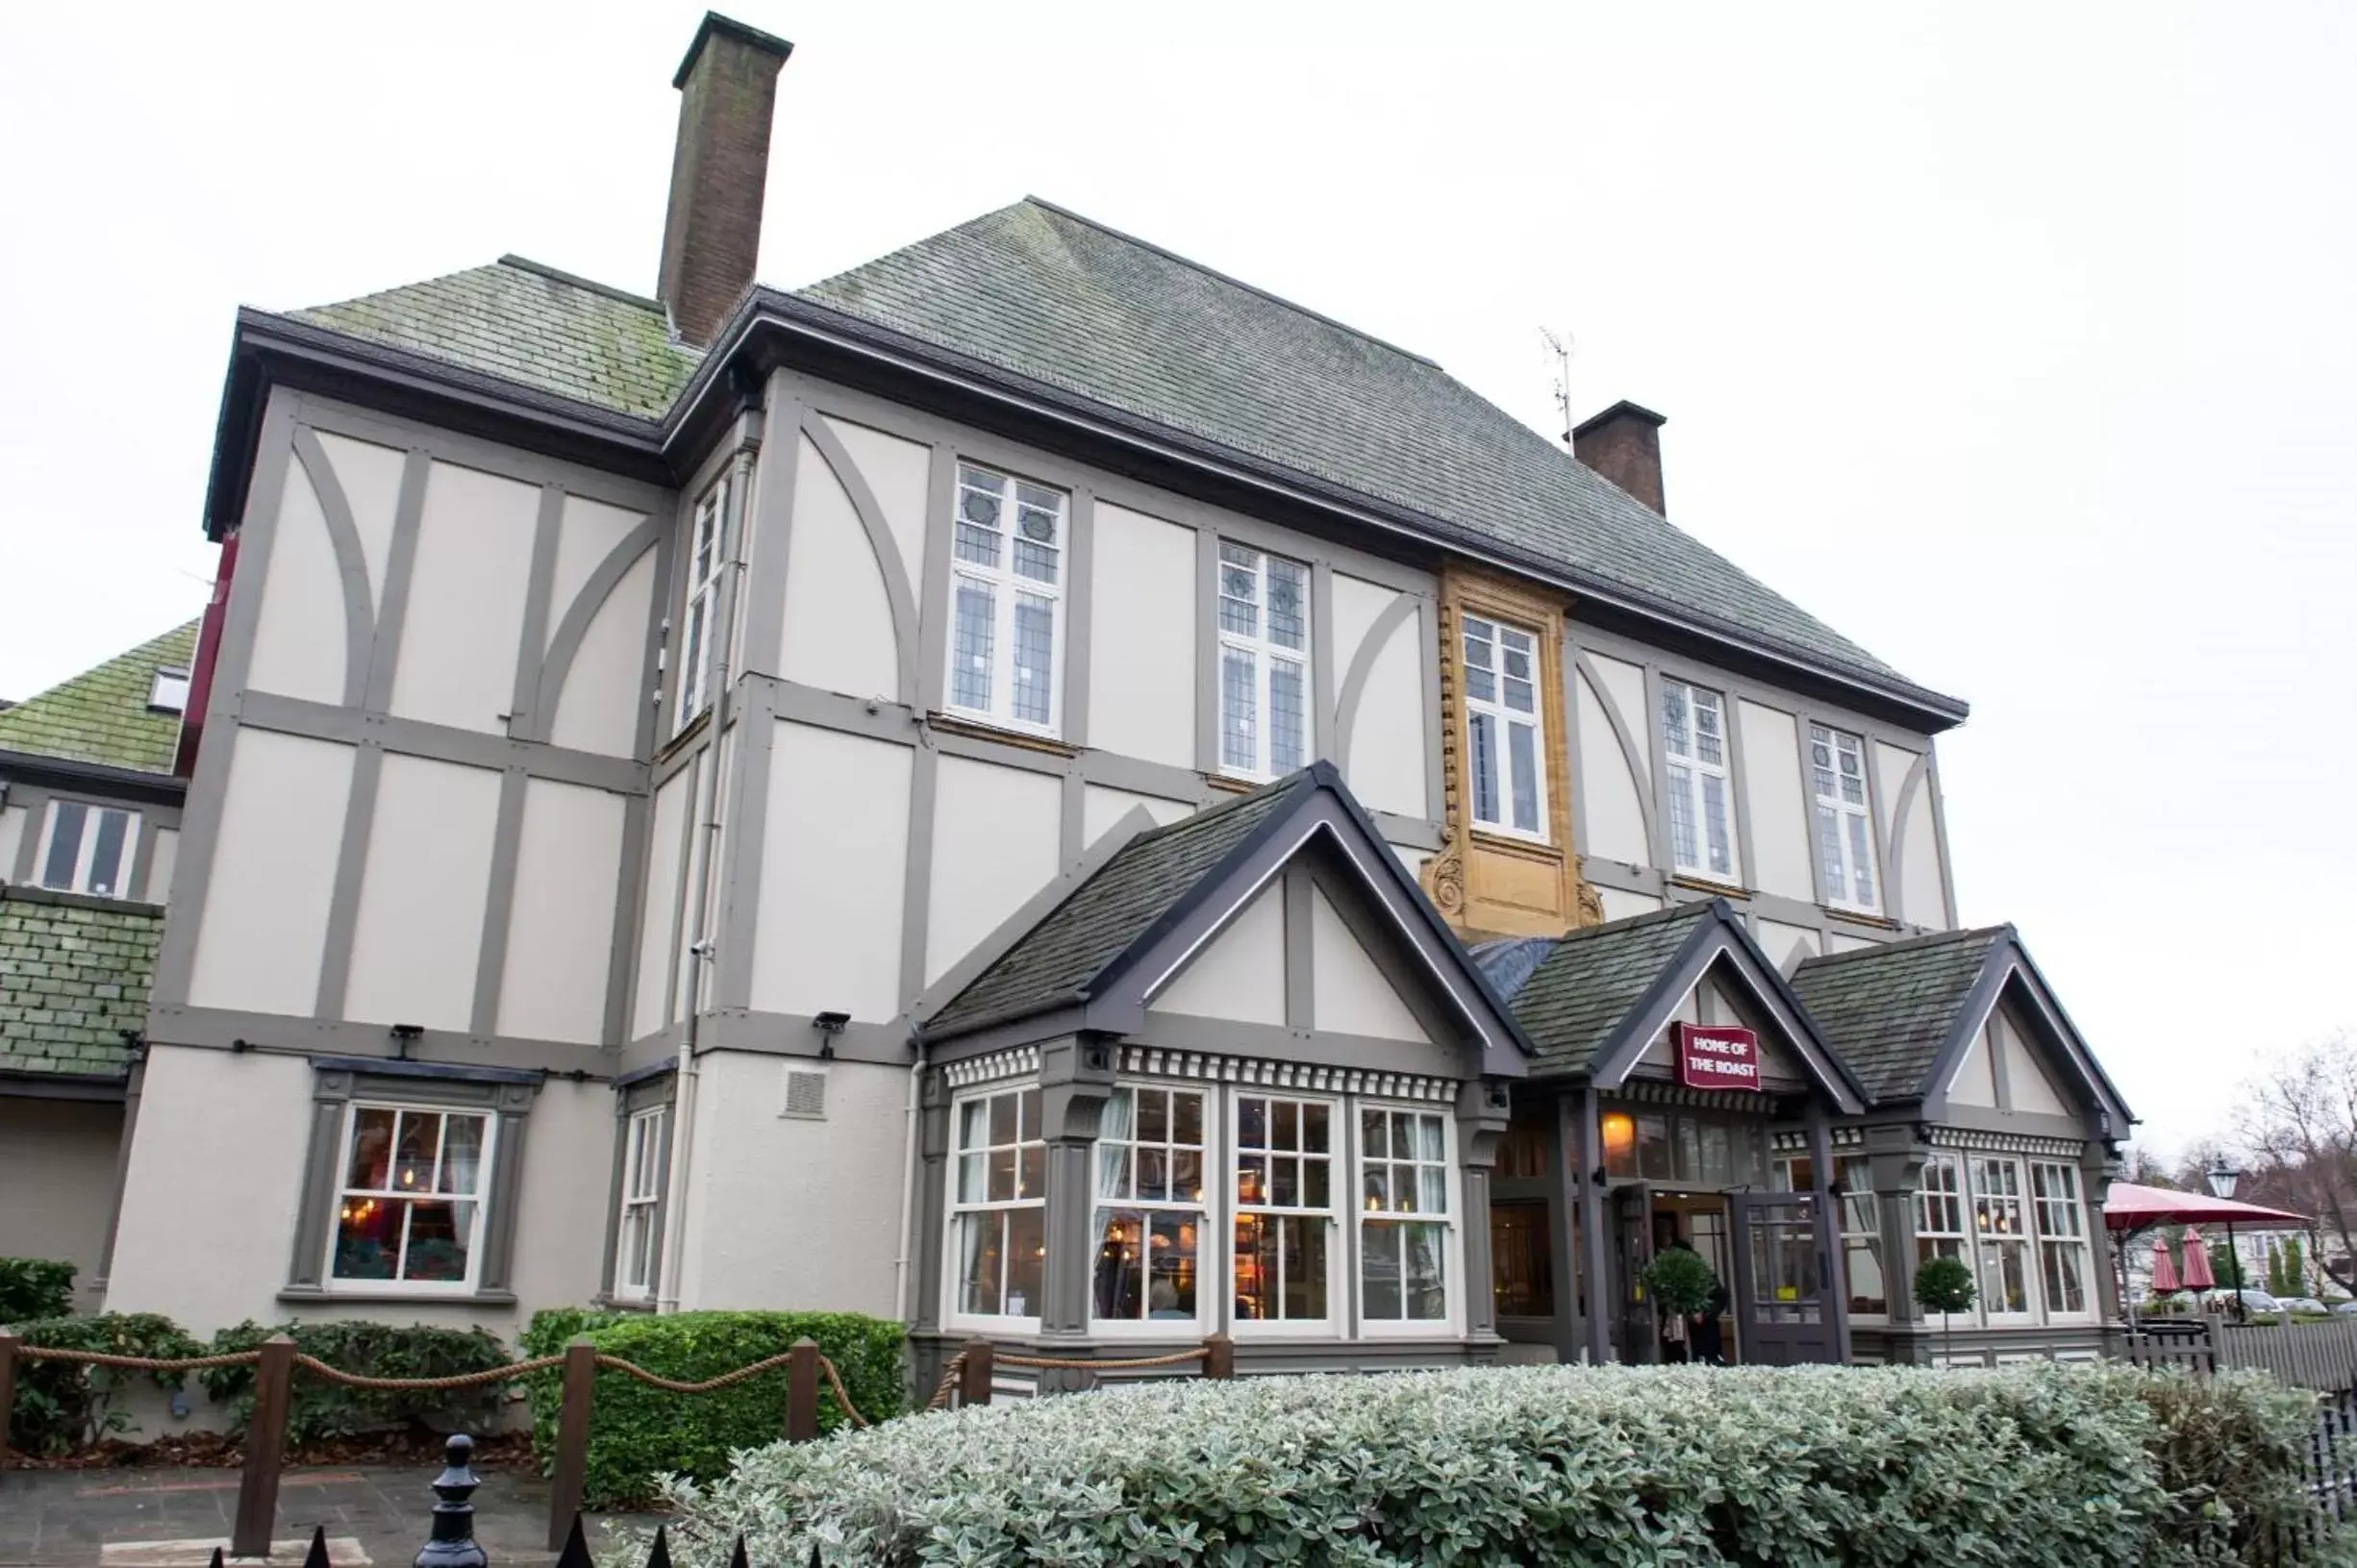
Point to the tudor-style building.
(973, 791)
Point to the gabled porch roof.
(1123, 929)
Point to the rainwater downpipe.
(908, 1187)
(701, 950)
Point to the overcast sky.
(2021, 343)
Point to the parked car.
(2303, 1304)
(2255, 1304)
(2339, 1307)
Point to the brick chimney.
(711, 235)
(1624, 444)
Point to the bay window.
(2061, 1235)
(707, 541)
(88, 849)
(1264, 729)
(1284, 1211)
(1403, 1227)
(2002, 1231)
(1861, 1240)
(1939, 1210)
(999, 1209)
(1505, 735)
(1150, 1214)
(1845, 821)
(642, 1172)
(1006, 600)
(1700, 781)
(409, 1211)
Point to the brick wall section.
(1624, 444)
(711, 235)
(74, 975)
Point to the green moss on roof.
(102, 716)
(526, 323)
(74, 975)
(1888, 1010)
(1570, 1001)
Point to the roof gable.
(1891, 1010)
(1045, 293)
(1172, 898)
(1593, 1001)
(102, 716)
(527, 323)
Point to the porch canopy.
(2132, 1207)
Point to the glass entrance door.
(1783, 1254)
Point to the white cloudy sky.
(2019, 343)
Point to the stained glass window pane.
(969, 672)
(1287, 716)
(1034, 643)
(1521, 743)
(1239, 710)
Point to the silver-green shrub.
(2022, 1467)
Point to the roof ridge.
(1910, 944)
(1683, 909)
(1233, 281)
(643, 302)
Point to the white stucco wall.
(299, 633)
(568, 864)
(788, 1212)
(838, 632)
(1787, 944)
(658, 906)
(420, 929)
(265, 920)
(1392, 738)
(1620, 905)
(599, 707)
(1142, 655)
(468, 587)
(834, 862)
(1609, 791)
(1350, 994)
(898, 475)
(11, 835)
(1922, 893)
(1239, 973)
(995, 837)
(1780, 818)
(163, 860)
(1100, 807)
(56, 1180)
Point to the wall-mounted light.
(404, 1037)
(1617, 1131)
(830, 1025)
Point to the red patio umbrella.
(2197, 1275)
(2128, 1206)
(2164, 1268)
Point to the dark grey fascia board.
(268, 350)
(459, 1071)
(63, 1087)
(766, 311)
(1962, 1029)
(94, 778)
(640, 1075)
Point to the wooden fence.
(2318, 1355)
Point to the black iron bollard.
(453, 1542)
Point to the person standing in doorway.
(1705, 1342)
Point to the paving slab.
(376, 1516)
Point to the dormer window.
(88, 849)
(168, 691)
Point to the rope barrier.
(850, 1410)
(726, 1378)
(140, 1363)
(464, 1380)
(1133, 1363)
(950, 1373)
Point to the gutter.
(154, 789)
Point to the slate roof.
(1055, 961)
(1888, 1010)
(532, 324)
(1572, 998)
(74, 975)
(1058, 298)
(102, 716)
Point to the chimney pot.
(1624, 444)
(712, 231)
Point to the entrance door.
(1783, 1256)
(1634, 1329)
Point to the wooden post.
(8, 1389)
(572, 1467)
(265, 1451)
(1220, 1357)
(802, 1392)
(974, 1378)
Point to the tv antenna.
(1561, 349)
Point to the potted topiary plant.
(1943, 1286)
(1681, 1282)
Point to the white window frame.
(94, 812)
(1006, 587)
(1698, 771)
(1366, 1217)
(1341, 1252)
(1496, 671)
(1849, 823)
(1851, 1170)
(2046, 1212)
(1267, 653)
(1987, 1246)
(1943, 1220)
(1028, 1102)
(161, 697)
(699, 620)
(642, 1202)
(342, 1192)
(1211, 1237)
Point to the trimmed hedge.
(2045, 1466)
(319, 1408)
(63, 1407)
(35, 1287)
(639, 1433)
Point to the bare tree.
(2140, 1165)
(2300, 1120)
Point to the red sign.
(1717, 1057)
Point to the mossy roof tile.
(102, 716)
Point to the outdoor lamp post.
(2221, 1177)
